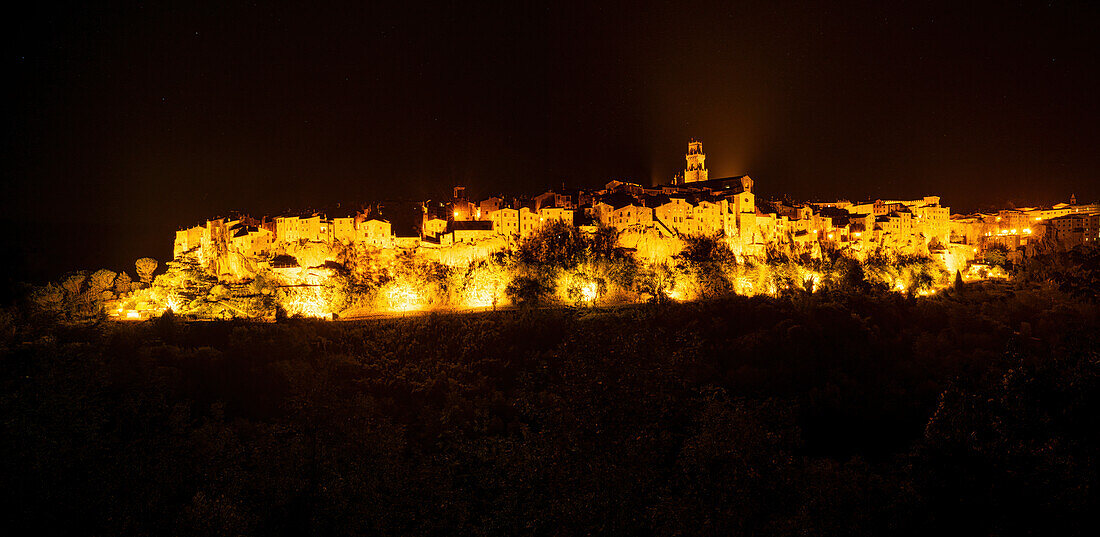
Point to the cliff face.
(312, 254)
(651, 245)
(462, 254)
(233, 267)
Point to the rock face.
(650, 245)
(312, 254)
(234, 267)
(460, 255)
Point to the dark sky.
(126, 121)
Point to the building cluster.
(692, 204)
(1020, 231)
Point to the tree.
(808, 284)
(958, 281)
(80, 295)
(122, 283)
(1080, 272)
(47, 298)
(855, 279)
(655, 281)
(145, 268)
(73, 283)
(527, 291)
(996, 255)
(100, 281)
(602, 242)
(555, 244)
(708, 259)
(700, 249)
(922, 280)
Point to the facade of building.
(251, 240)
(375, 232)
(516, 223)
(1074, 229)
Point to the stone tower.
(696, 168)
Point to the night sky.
(126, 121)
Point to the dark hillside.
(826, 414)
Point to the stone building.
(1073, 229)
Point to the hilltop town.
(625, 243)
(648, 220)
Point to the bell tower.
(696, 168)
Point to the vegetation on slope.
(558, 265)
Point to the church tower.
(696, 168)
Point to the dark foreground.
(833, 415)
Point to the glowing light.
(589, 292)
(307, 302)
(404, 297)
(577, 288)
(745, 287)
(133, 314)
(1027, 231)
(484, 288)
(482, 298)
(456, 214)
(899, 286)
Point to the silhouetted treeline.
(826, 413)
